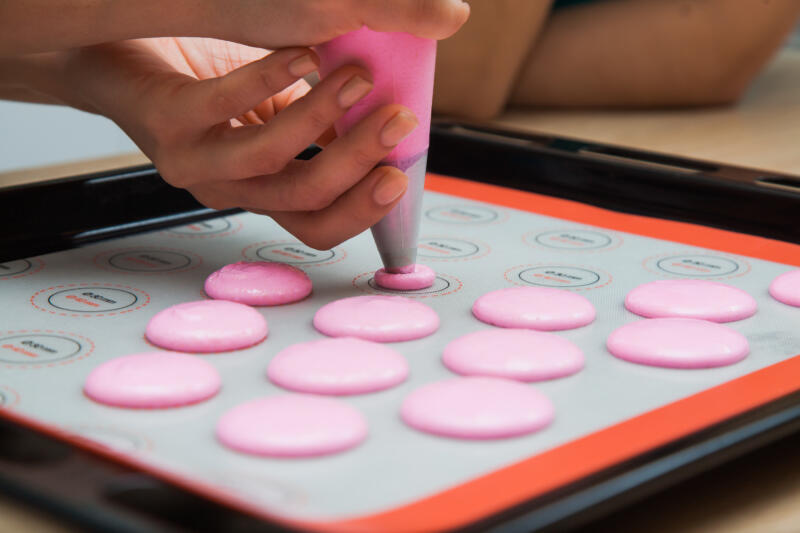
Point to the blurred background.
(760, 130)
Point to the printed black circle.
(149, 261)
(294, 253)
(111, 438)
(37, 348)
(698, 265)
(559, 276)
(92, 299)
(446, 248)
(462, 214)
(574, 239)
(203, 227)
(440, 284)
(13, 268)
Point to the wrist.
(40, 77)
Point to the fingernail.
(397, 129)
(389, 188)
(353, 91)
(302, 65)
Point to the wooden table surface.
(761, 131)
(759, 493)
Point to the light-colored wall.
(33, 135)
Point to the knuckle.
(225, 104)
(363, 159)
(318, 119)
(311, 197)
(315, 200)
(268, 80)
(264, 162)
(424, 9)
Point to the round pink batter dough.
(258, 283)
(338, 366)
(678, 343)
(519, 354)
(691, 298)
(412, 278)
(538, 308)
(377, 318)
(152, 380)
(786, 288)
(477, 408)
(292, 425)
(206, 326)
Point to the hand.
(280, 23)
(28, 26)
(231, 140)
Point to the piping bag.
(402, 67)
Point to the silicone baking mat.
(65, 313)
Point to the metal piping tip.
(397, 233)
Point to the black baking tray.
(108, 496)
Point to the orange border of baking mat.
(501, 489)
(492, 493)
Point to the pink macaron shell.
(678, 343)
(786, 288)
(376, 318)
(691, 298)
(207, 326)
(292, 425)
(520, 354)
(402, 67)
(539, 308)
(477, 408)
(414, 277)
(258, 283)
(337, 366)
(152, 380)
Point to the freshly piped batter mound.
(258, 283)
(338, 366)
(292, 425)
(691, 298)
(538, 308)
(207, 326)
(519, 354)
(786, 288)
(377, 318)
(678, 343)
(477, 408)
(411, 278)
(152, 380)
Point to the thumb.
(431, 19)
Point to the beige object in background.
(476, 68)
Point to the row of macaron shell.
(314, 367)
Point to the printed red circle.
(89, 299)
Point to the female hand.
(47, 25)
(228, 129)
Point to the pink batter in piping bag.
(402, 69)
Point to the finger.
(217, 100)
(353, 212)
(350, 157)
(246, 152)
(432, 19)
(314, 185)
